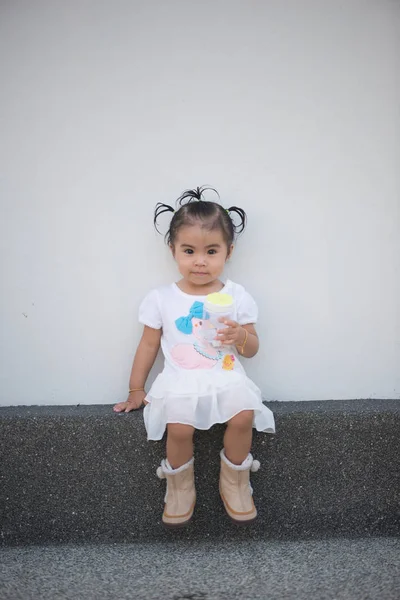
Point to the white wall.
(289, 107)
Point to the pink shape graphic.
(187, 357)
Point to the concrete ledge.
(83, 473)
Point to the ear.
(230, 251)
(172, 248)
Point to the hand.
(232, 335)
(134, 401)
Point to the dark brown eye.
(200, 322)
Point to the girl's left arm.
(244, 337)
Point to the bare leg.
(179, 444)
(238, 437)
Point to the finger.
(228, 322)
(221, 338)
(227, 331)
(227, 338)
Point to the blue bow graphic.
(184, 324)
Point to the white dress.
(200, 385)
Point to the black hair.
(193, 208)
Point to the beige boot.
(235, 489)
(180, 497)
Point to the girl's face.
(200, 254)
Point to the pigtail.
(159, 210)
(242, 215)
(195, 195)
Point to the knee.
(179, 432)
(243, 421)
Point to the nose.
(200, 259)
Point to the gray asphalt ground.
(334, 569)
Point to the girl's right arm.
(143, 361)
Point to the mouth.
(200, 274)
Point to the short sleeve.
(247, 310)
(149, 311)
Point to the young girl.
(201, 384)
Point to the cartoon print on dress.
(201, 354)
(229, 362)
